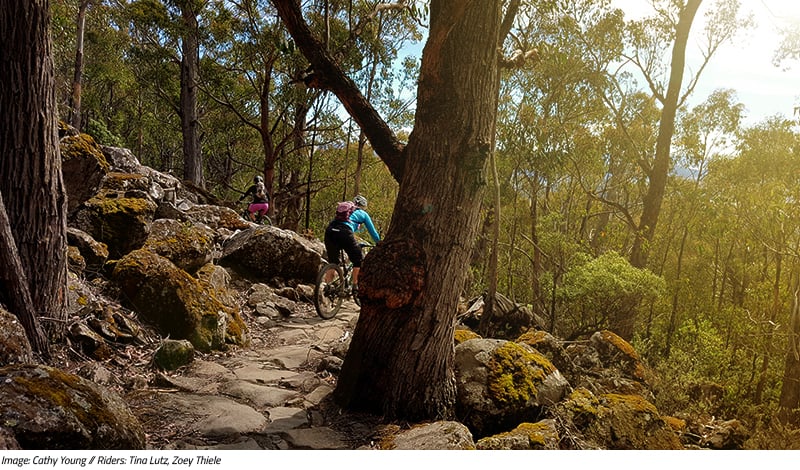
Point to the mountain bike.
(334, 285)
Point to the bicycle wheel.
(328, 291)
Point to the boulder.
(527, 436)
(173, 354)
(47, 408)
(508, 319)
(178, 304)
(119, 221)
(14, 345)
(501, 384)
(439, 435)
(267, 252)
(188, 245)
(93, 252)
(609, 364)
(216, 217)
(83, 167)
(613, 421)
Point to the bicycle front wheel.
(328, 292)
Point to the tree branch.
(327, 75)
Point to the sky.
(745, 65)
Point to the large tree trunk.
(661, 164)
(190, 75)
(400, 362)
(30, 161)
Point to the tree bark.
(190, 75)
(400, 362)
(30, 161)
(15, 285)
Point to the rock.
(501, 384)
(266, 252)
(93, 252)
(119, 221)
(320, 438)
(47, 408)
(188, 245)
(613, 421)
(173, 354)
(527, 436)
(83, 167)
(217, 217)
(439, 435)
(609, 364)
(178, 304)
(508, 320)
(14, 345)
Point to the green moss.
(464, 335)
(83, 144)
(532, 337)
(126, 205)
(634, 403)
(514, 373)
(582, 401)
(65, 391)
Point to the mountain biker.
(259, 206)
(360, 217)
(339, 235)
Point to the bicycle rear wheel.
(328, 291)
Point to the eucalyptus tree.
(400, 362)
(649, 40)
(166, 39)
(258, 75)
(94, 84)
(760, 186)
(33, 205)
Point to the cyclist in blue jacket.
(360, 217)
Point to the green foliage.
(603, 288)
(101, 134)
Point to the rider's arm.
(250, 190)
(371, 228)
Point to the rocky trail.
(273, 394)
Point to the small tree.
(604, 292)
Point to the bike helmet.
(360, 201)
(258, 179)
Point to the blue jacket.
(360, 216)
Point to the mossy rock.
(47, 408)
(83, 167)
(527, 436)
(461, 335)
(14, 345)
(616, 352)
(187, 245)
(173, 354)
(122, 223)
(501, 384)
(614, 421)
(178, 304)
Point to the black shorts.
(339, 236)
